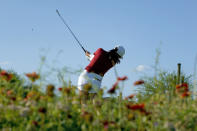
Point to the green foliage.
(24, 106)
(163, 83)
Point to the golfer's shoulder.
(100, 50)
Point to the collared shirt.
(100, 62)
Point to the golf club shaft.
(70, 31)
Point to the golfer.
(100, 62)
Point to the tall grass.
(157, 106)
(160, 104)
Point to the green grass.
(158, 105)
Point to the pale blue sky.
(27, 26)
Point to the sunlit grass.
(160, 104)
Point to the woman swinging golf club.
(100, 62)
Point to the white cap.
(120, 51)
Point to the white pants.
(92, 78)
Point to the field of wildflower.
(161, 103)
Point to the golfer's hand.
(88, 53)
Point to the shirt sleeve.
(92, 55)
(98, 51)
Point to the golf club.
(70, 30)
(115, 71)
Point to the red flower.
(5, 75)
(139, 82)
(185, 94)
(136, 106)
(182, 85)
(60, 89)
(33, 76)
(122, 78)
(113, 89)
(130, 97)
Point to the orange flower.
(182, 87)
(113, 89)
(130, 97)
(183, 90)
(136, 106)
(185, 94)
(5, 75)
(139, 82)
(60, 89)
(122, 78)
(33, 76)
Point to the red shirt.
(101, 63)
